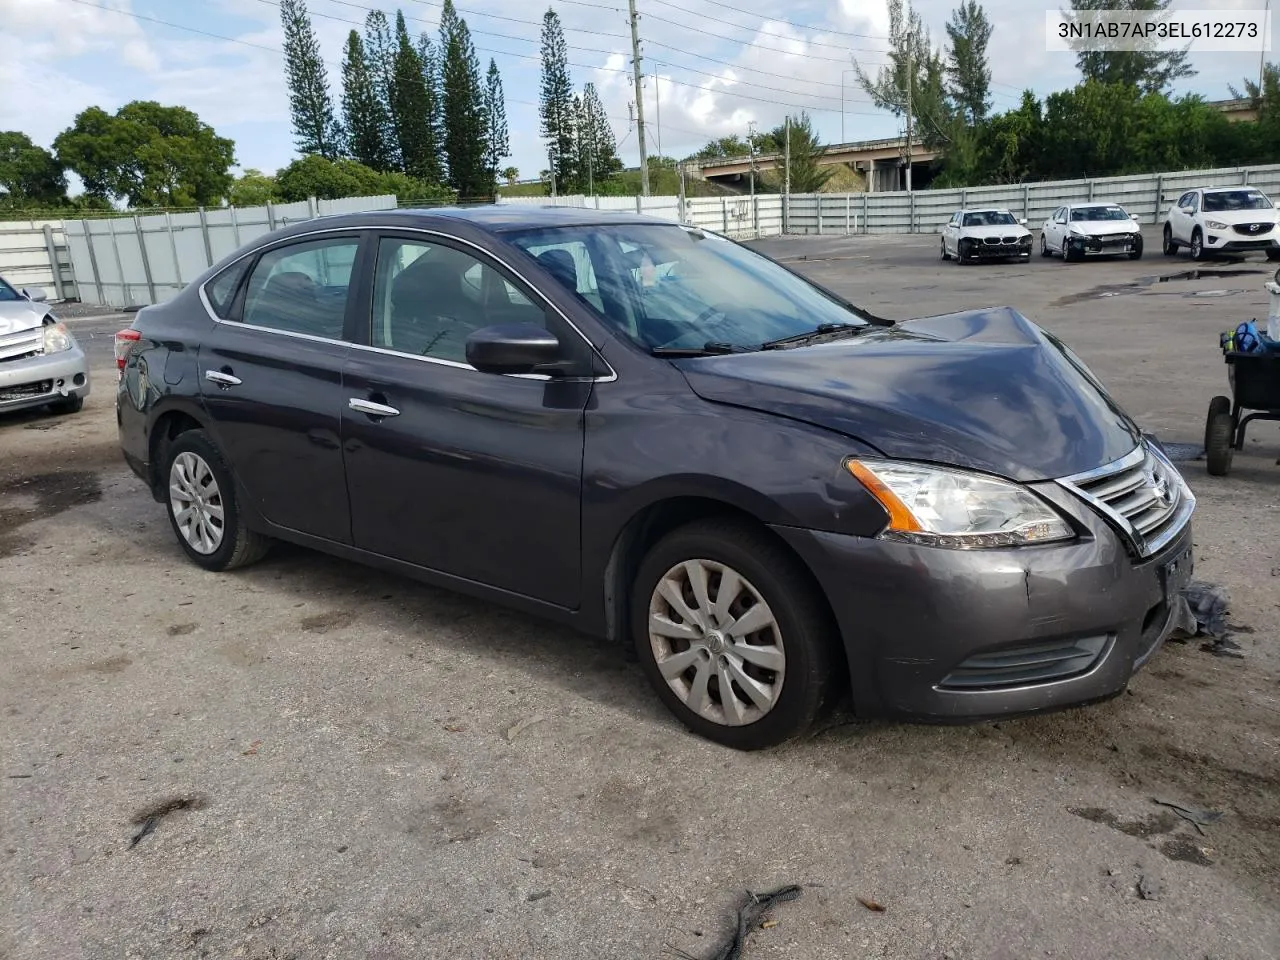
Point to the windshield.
(670, 287)
(8, 293)
(1079, 214)
(988, 218)
(1224, 200)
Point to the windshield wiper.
(822, 331)
(713, 348)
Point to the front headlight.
(1215, 225)
(954, 508)
(57, 338)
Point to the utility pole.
(911, 82)
(638, 74)
(751, 151)
(551, 163)
(657, 107)
(1262, 54)
(786, 160)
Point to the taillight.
(125, 339)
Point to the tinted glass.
(428, 298)
(221, 290)
(302, 288)
(8, 293)
(989, 218)
(667, 286)
(1079, 214)
(1227, 200)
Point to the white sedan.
(1079, 229)
(987, 234)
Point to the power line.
(738, 26)
(737, 8)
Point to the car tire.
(1136, 252)
(1044, 246)
(1069, 253)
(197, 476)
(945, 255)
(1170, 245)
(1217, 407)
(1220, 445)
(70, 405)
(1197, 244)
(795, 618)
(1273, 255)
(963, 251)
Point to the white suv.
(1232, 219)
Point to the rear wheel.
(1217, 407)
(203, 511)
(733, 634)
(1170, 246)
(1220, 446)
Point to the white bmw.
(986, 234)
(1079, 229)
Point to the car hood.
(996, 230)
(984, 389)
(16, 315)
(1104, 228)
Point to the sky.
(711, 66)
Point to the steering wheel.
(711, 311)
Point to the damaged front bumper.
(43, 378)
(962, 635)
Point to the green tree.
(807, 174)
(968, 72)
(315, 127)
(1150, 70)
(723, 148)
(367, 123)
(497, 143)
(598, 147)
(511, 175)
(555, 103)
(411, 110)
(148, 155)
(253, 188)
(31, 174)
(429, 56)
(380, 53)
(913, 76)
(462, 101)
(314, 176)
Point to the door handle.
(221, 379)
(371, 408)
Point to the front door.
(473, 474)
(271, 380)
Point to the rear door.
(271, 380)
(473, 474)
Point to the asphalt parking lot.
(364, 767)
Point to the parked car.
(987, 234)
(40, 362)
(655, 434)
(1212, 220)
(1079, 229)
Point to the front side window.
(7, 293)
(428, 298)
(302, 287)
(666, 286)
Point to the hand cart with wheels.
(1255, 388)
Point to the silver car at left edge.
(40, 362)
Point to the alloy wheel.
(196, 502)
(716, 642)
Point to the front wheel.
(203, 511)
(1044, 246)
(1273, 254)
(1197, 245)
(733, 634)
(1170, 247)
(1136, 252)
(964, 251)
(70, 405)
(945, 255)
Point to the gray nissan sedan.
(657, 435)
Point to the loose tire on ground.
(1217, 407)
(708, 558)
(223, 542)
(1221, 444)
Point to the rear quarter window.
(221, 290)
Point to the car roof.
(986, 210)
(490, 218)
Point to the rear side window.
(221, 290)
(302, 288)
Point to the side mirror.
(1022, 220)
(513, 348)
(35, 294)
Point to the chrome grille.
(23, 343)
(1142, 493)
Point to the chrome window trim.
(400, 228)
(1146, 547)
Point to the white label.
(1167, 31)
